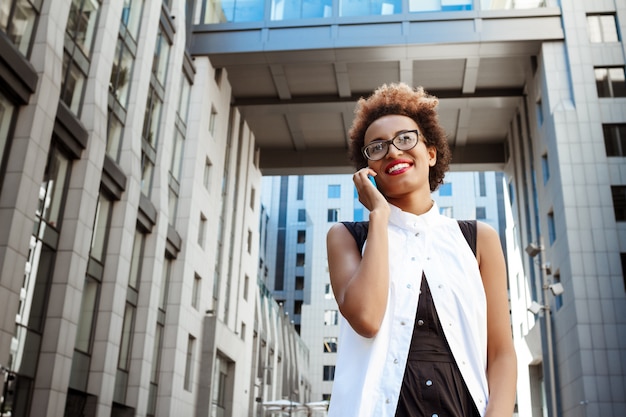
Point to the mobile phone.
(372, 180)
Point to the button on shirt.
(369, 371)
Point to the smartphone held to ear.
(372, 180)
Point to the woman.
(425, 315)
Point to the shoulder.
(487, 242)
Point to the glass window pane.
(98, 240)
(121, 73)
(135, 262)
(177, 155)
(125, 344)
(52, 188)
(131, 16)
(618, 86)
(6, 114)
(82, 23)
(161, 56)
(19, 26)
(183, 102)
(72, 88)
(114, 136)
(146, 174)
(87, 315)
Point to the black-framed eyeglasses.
(378, 149)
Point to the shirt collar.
(410, 221)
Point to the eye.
(406, 137)
(376, 147)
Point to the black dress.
(433, 385)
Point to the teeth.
(397, 167)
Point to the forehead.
(388, 126)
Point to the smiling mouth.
(398, 167)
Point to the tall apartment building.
(294, 266)
(129, 206)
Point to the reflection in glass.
(6, 114)
(17, 20)
(72, 87)
(131, 16)
(161, 56)
(87, 315)
(147, 166)
(301, 9)
(101, 224)
(369, 7)
(81, 23)
(121, 73)
(114, 136)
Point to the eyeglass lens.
(378, 149)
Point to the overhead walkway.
(296, 80)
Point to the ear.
(432, 155)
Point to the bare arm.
(361, 284)
(501, 357)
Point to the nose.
(393, 150)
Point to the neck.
(413, 203)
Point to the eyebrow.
(394, 135)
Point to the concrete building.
(300, 210)
(129, 208)
(103, 212)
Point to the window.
(7, 110)
(359, 214)
(558, 299)
(123, 361)
(445, 189)
(333, 215)
(331, 317)
(136, 260)
(539, 112)
(446, 211)
(196, 290)
(619, 202)
(330, 345)
(610, 82)
(17, 20)
(188, 379)
(615, 139)
(545, 168)
(551, 228)
(252, 197)
(249, 241)
(300, 259)
(370, 8)
(328, 292)
(329, 372)
(80, 31)
(301, 236)
(299, 283)
(212, 120)
(297, 307)
(623, 259)
(602, 28)
(246, 287)
(207, 173)
(201, 230)
(300, 190)
(481, 213)
(482, 187)
(301, 215)
(334, 191)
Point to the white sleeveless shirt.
(369, 371)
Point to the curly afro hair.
(403, 100)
